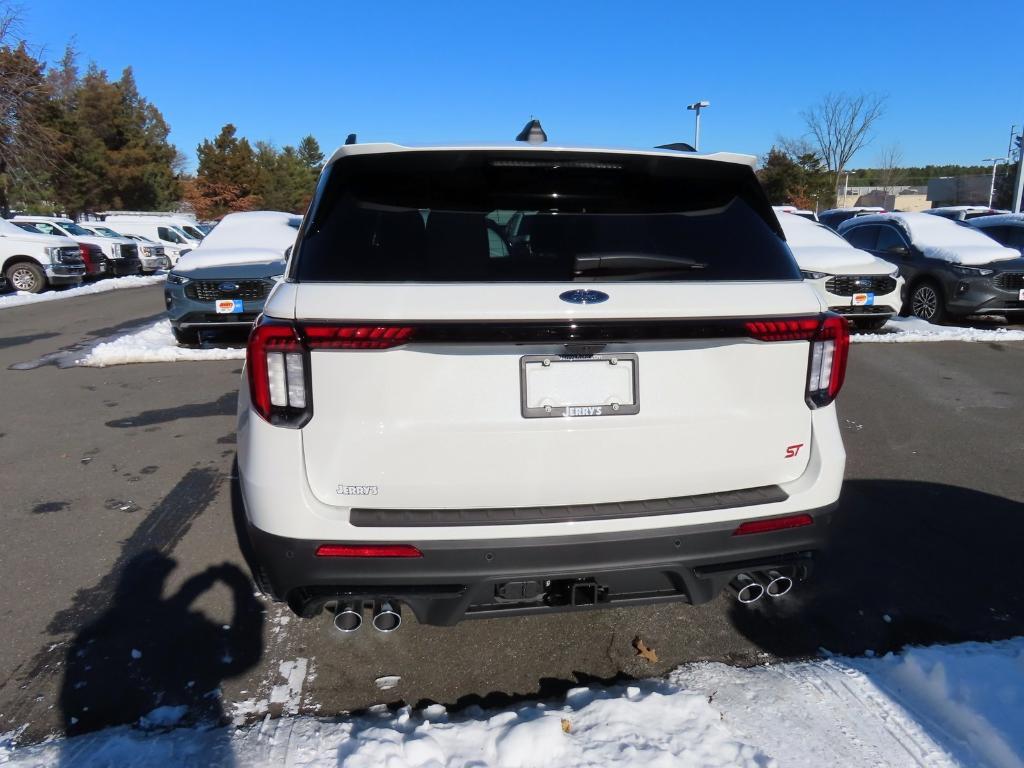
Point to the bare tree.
(890, 164)
(841, 125)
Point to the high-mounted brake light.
(830, 345)
(367, 550)
(773, 524)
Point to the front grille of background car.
(127, 251)
(847, 285)
(1010, 281)
(209, 290)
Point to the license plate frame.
(579, 410)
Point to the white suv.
(33, 262)
(505, 380)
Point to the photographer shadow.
(908, 563)
(157, 661)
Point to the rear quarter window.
(479, 216)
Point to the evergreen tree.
(228, 178)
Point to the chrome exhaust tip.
(778, 584)
(387, 616)
(348, 617)
(747, 589)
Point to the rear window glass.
(538, 216)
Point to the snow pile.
(939, 706)
(942, 238)
(152, 344)
(905, 329)
(113, 284)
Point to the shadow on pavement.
(909, 563)
(154, 659)
(224, 405)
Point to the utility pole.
(992, 187)
(1019, 141)
(697, 106)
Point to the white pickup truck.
(34, 262)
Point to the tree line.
(811, 170)
(75, 142)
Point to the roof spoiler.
(678, 146)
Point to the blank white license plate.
(1021, 294)
(601, 385)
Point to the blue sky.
(594, 72)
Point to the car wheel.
(873, 324)
(926, 303)
(186, 337)
(25, 276)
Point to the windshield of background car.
(74, 229)
(106, 232)
(192, 232)
(541, 216)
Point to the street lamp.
(846, 186)
(992, 188)
(697, 106)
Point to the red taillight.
(830, 345)
(85, 253)
(356, 336)
(773, 524)
(793, 329)
(275, 365)
(367, 550)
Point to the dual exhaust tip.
(751, 587)
(387, 616)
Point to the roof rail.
(678, 146)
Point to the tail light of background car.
(829, 335)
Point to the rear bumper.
(489, 578)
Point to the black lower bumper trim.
(481, 578)
(412, 518)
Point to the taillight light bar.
(829, 335)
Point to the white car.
(864, 289)
(627, 400)
(33, 262)
(121, 253)
(151, 254)
(176, 234)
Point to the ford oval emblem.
(227, 287)
(580, 296)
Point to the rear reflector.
(773, 524)
(367, 550)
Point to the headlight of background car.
(176, 279)
(972, 271)
(807, 275)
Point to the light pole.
(697, 106)
(992, 187)
(846, 187)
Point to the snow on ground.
(152, 344)
(905, 329)
(959, 705)
(19, 299)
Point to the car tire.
(871, 324)
(26, 276)
(186, 337)
(926, 302)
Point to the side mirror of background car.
(900, 250)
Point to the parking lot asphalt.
(124, 588)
